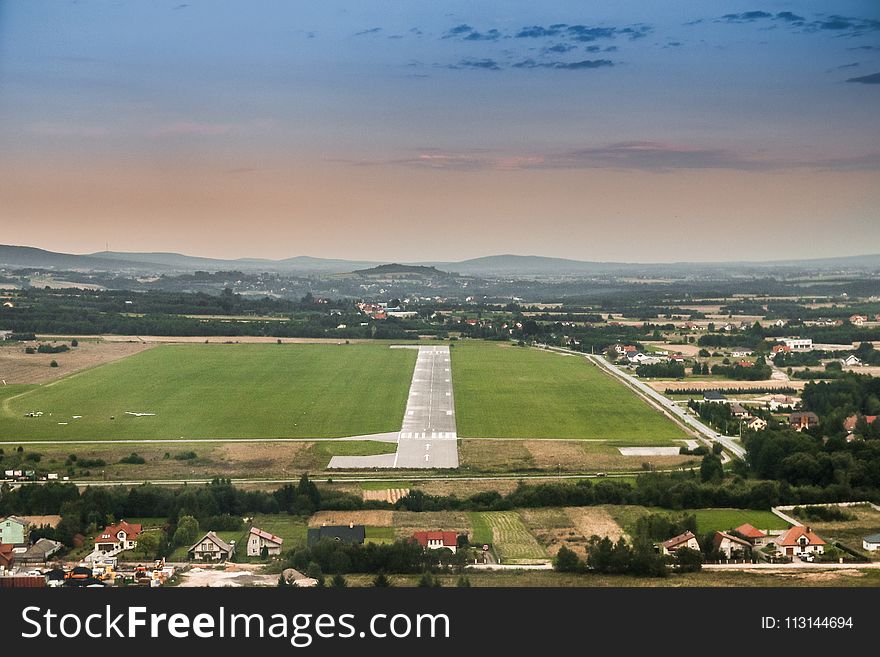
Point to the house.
(851, 361)
(258, 539)
(858, 320)
(350, 533)
(756, 424)
(779, 323)
(740, 352)
(800, 540)
(118, 537)
(40, 552)
(714, 397)
(780, 349)
(14, 530)
(729, 545)
(778, 402)
(737, 411)
(801, 421)
(437, 540)
(871, 543)
(754, 536)
(7, 556)
(798, 344)
(676, 358)
(211, 548)
(687, 540)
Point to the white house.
(798, 344)
(800, 540)
(728, 544)
(211, 548)
(871, 543)
(437, 540)
(756, 424)
(116, 538)
(258, 539)
(851, 361)
(687, 540)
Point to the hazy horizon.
(608, 132)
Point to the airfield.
(271, 411)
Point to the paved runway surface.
(428, 436)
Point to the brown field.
(371, 518)
(19, 367)
(581, 456)
(571, 527)
(390, 495)
(702, 384)
(595, 520)
(407, 522)
(533, 578)
(495, 456)
(236, 339)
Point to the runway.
(428, 437)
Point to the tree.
(54, 363)
(463, 582)
(338, 581)
(567, 561)
(382, 581)
(711, 470)
(187, 531)
(688, 560)
(148, 543)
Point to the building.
(436, 540)
(729, 545)
(14, 530)
(778, 402)
(738, 411)
(211, 548)
(344, 533)
(851, 361)
(40, 552)
(258, 539)
(798, 344)
(754, 536)
(756, 424)
(871, 543)
(858, 320)
(7, 556)
(687, 540)
(741, 352)
(801, 421)
(714, 397)
(798, 541)
(116, 538)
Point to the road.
(662, 402)
(427, 438)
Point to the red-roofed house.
(258, 539)
(800, 540)
(118, 537)
(754, 536)
(728, 545)
(687, 540)
(437, 540)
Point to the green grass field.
(713, 520)
(512, 540)
(221, 391)
(503, 391)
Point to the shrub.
(134, 458)
(30, 350)
(54, 363)
(185, 456)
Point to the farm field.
(511, 539)
(502, 391)
(708, 520)
(221, 391)
(187, 460)
(500, 456)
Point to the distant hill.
(420, 271)
(507, 265)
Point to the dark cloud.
(746, 17)
(864, 48)
(457, 31)
(482, 64)
(565, 66)
(372, 30)
(790, 17)
(559, 48)
(584, 33)
(490, 35)
(874, 78)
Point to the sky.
(641, 131)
